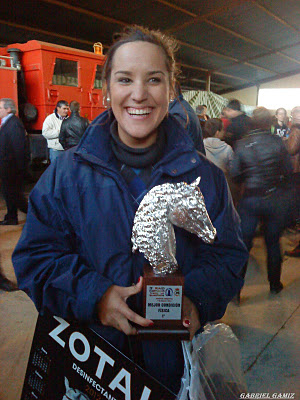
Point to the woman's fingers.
(126, 292)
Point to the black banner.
(70, 361)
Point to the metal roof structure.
(230, 43)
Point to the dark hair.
(234, 104)
(211, 127)
(199, 110)
(74, 106)
(261, 118)
(204, 105)
(136, 33)
(61, 103)
(281, 108)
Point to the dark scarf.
(137, 158)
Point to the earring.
(107, 98)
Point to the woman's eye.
(155, 80)
(124, 80)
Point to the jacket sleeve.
(293, 142)
(49, 131)
(17, 139)
(236, 170)
(62, 134)
(215, 277)
(47, 264)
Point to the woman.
(263, 165)
(75, 257)
(217, 151)
(280, 128)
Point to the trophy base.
(163, 303)
(163, 334)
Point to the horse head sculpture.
(162, 207)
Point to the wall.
(248, 96)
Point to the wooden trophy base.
(163, 304)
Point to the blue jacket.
(76, 241)
(180, 109)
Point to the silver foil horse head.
(162, 207)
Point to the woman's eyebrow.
(148, 73)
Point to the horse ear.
(67, 383)
(196, 182)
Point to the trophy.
(153, 234)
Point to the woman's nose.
(139, 92)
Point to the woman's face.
(281, 115)
(139, 92)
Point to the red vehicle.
(38, 74)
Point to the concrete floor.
(266, 325)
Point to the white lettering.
(60, 328)
(115, 383)
(87, 350)
(104, 358)
(146, 393)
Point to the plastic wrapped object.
(213, 368)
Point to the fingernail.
(151, 324)
(187, 322)
(139, 280)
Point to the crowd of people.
(74, 257)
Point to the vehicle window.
(65, 72)
(98, 78)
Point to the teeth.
(139, 111)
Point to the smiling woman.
(75, 257)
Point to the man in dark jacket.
(263, 165)
(240, 123)
(185, 114)
(72, 128)
(13, 161)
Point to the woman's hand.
(190, 317)
(113, 311)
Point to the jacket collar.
(95, 146)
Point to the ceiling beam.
(205, 17)
(254, 42)
(280, 20)
(214, 72)
(196, 17)
(44, 32)
(177, 8)
(85, 12)
(123, 23)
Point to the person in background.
(186, 115)
(201, 114)
(14, 158)
(240, 122)
(293, 147)
(51, 128)
(75, 257)
(206, 117)
(226, 121)
(72, 128)
(280, 128)
(217, 151)
(220, 153)
(262, 163)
